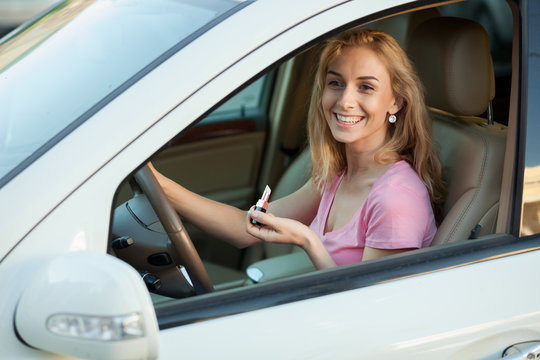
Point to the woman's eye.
(334, 83)
(366, 87)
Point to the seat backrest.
(452, 57)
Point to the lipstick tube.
(262, 203)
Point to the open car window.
(233, 166)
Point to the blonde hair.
(409, 137)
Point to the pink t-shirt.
(397, 214)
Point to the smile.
(348, 120)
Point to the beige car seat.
(452, 57)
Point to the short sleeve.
(397, 217)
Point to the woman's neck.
(361, 161)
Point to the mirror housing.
(88, 305)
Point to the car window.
(250, 102)
(250, 99)
(530, 221)
(247, 100)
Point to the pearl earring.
(392, 118)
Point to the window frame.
(529, 77)
(421, 262)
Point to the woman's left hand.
(276, 229)
(287, 231)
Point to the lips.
(348, 119)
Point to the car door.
(469, 299)
(454, 301)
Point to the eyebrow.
(332, 72)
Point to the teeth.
(349, 120)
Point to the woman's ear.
(396, 106)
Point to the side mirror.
(88, 305)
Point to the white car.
(95, 264)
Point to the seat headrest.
(453, 59)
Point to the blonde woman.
(375, 188)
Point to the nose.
(347, 98)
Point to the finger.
(250, 226)
(262, 233)
(251, 209)
(256, 230)
(249, 216)
(261, 217)
(255, 221)
(268, 230)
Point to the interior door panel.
(222, 168)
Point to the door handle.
(528, 350)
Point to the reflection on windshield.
(58, 68)
(15, 47)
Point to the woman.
(376, 181)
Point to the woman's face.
(357, 98)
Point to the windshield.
(59, 69)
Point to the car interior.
(230, 156)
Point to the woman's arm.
(227, 222)
(373, 253)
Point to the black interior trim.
(325, 282)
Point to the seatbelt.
(475, 231)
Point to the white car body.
(473, 310)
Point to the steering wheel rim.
(172, 224)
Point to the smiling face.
(357, 99)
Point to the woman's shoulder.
(400, 176)
(400, 172)
(399, 192)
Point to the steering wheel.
(178, 235)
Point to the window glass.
(247, 99)
(530, 221)
(54, 70)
